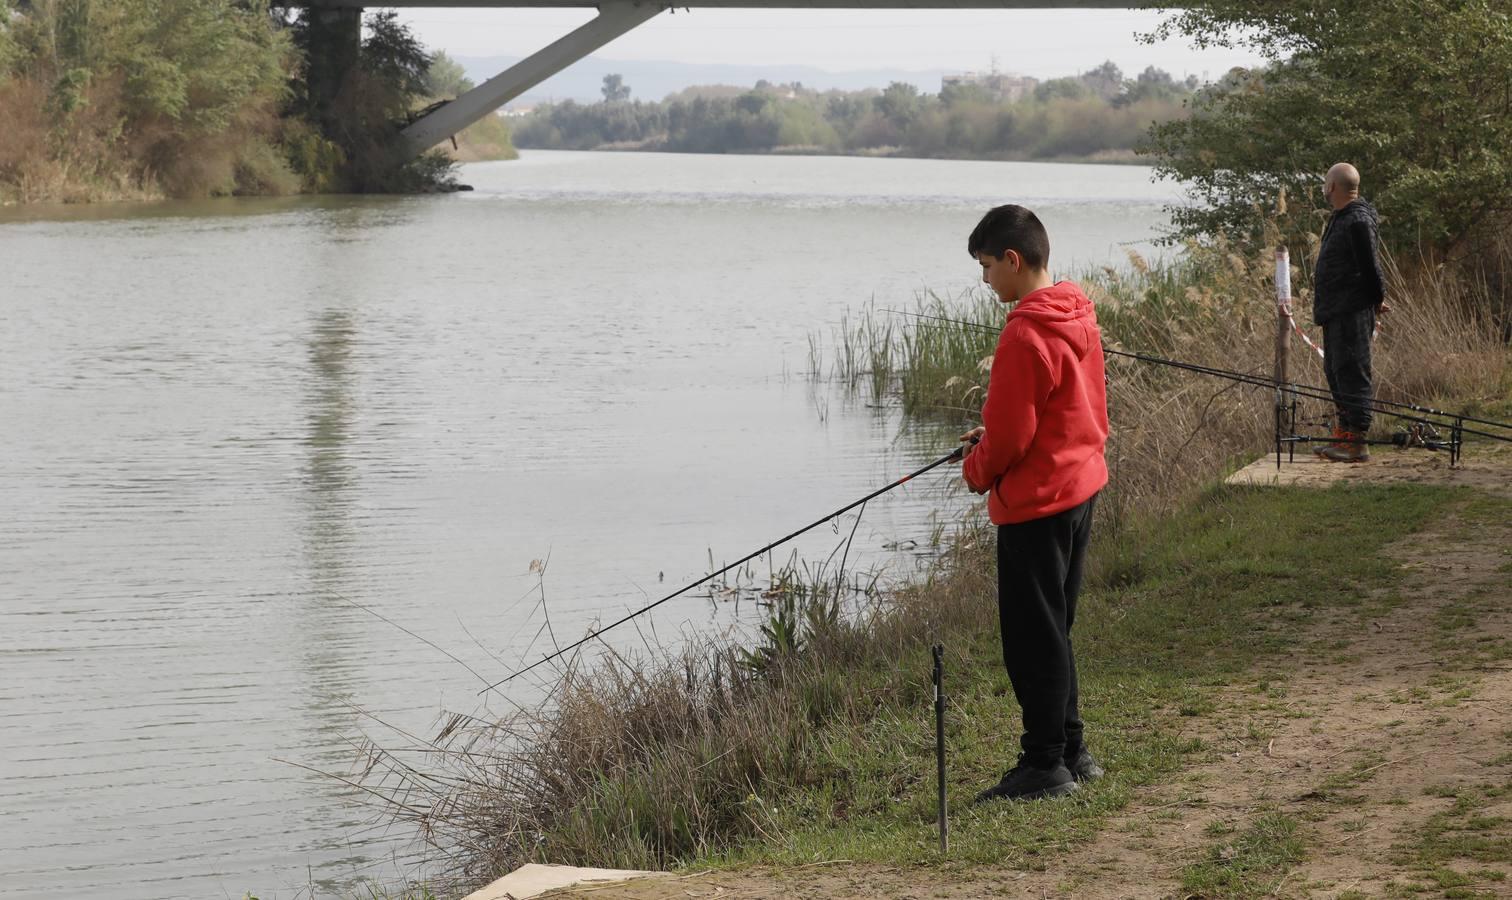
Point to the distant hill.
(655, 80)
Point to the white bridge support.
(616, 17)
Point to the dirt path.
(1384, 738)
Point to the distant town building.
(998, 85)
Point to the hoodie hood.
(1061, 310)
(1362, 208)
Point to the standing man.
(1039, 459)
(1349, 291)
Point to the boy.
(1039, 458)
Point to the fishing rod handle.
(960, 452)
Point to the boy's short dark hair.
(1011, 227)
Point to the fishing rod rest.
(938, 651)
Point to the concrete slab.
(1484, 466)
(533, 880)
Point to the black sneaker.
(1026, 782)
(1083, 767)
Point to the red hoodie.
(1046, 412)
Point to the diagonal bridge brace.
(614, 19)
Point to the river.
(234, 434)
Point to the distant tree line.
(1099, 113)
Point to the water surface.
(225, 425)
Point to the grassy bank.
(1190, 603)
(688, 763)
(822, 751)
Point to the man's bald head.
(1341, 185)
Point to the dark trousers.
(1346, 359)
(1040, 565)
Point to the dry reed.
(644, 761)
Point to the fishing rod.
(1258, 380)
(1319, 393)
(952, 456)
(1307, 391)
(1311, 392)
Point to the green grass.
(1184, 606)
(1454, 849)
(1250, 865)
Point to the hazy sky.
(1043, 43)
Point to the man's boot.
(1333, 441)
(1350, 449)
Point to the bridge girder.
(748, 4)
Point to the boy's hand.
(970, 439)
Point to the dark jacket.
(1348, 278)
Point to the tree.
(956, 93)
(1152, 84)
(1106, 81)
(900, 103)
(395, 57)
(753, 102)
(615, 90)
(445, 77)
(1425, 113)
(363, 118)
(1061, 88)
(178, 97)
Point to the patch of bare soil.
(1363, 735)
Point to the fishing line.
(1311, 392)
(949, 457)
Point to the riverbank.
(1121, 157)
(42, 182)
(823, 756)
(1288, 687)
(1340, 731)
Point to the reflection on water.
(225, 424)
(325, 641)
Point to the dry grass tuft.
(643, 762)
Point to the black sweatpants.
(1040, 565)
(1346, 360)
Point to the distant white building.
(998, 85)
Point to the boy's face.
(1006, 276)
